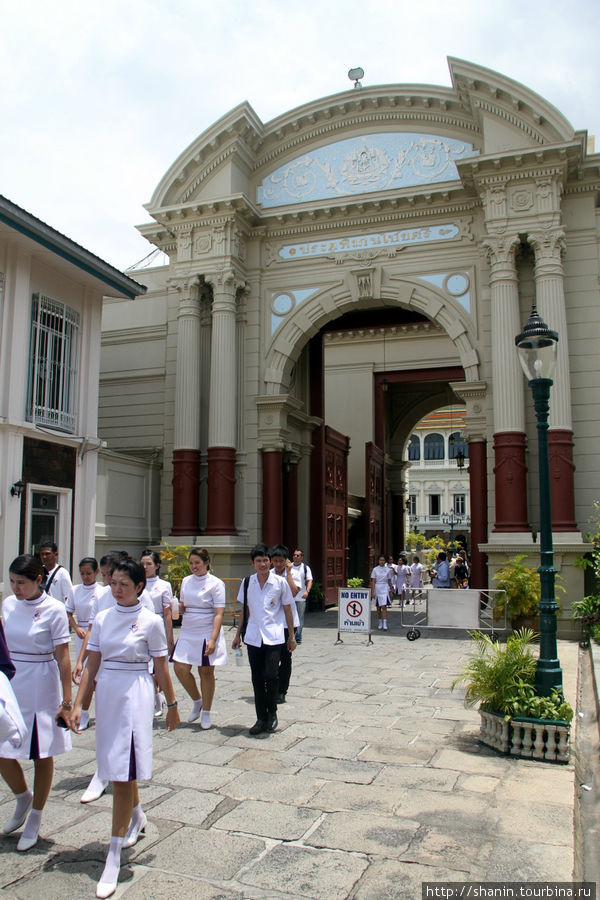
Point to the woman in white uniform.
(381, 585)
(402, 577)
(79, 607)
(162, 597)
(201, 641)
(123, 640)
(37, 633)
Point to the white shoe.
(95, 790)
(196, 710)
(26, 843)
(158, 704)
(106, 888)
(85, 719)
(16, 820)
(384, 625)
(205, 720)
(134, 831)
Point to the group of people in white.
(124, 638)
(390, 579)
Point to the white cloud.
(102, 98)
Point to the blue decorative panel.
(372, 162)
(456, 284)
(283, 302)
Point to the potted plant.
(514, 718)
(355, 582)
(522, 589)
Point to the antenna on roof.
(355, 75)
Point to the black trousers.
(264, 666)
(285, 667)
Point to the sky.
(97, 100)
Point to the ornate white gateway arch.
(421, 221)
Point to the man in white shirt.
(303, 577)
(58, 583)
(282, 567)
(267, 610)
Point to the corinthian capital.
(500, 251)
(548, 247)
(226, 285)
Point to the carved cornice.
(560, 160)
(420, 329)
(339, 111)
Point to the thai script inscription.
(368, 241)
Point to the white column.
(550, 301)
(507, 378)
(223, 363)
(187, 372)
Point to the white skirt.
(38, 690)
(124, 717)
(382, 597)
(191, 645)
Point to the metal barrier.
(453, 608)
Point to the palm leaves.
(497, 671)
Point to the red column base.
(562, 493)
(479, 512)
(220, 506)
(186, 497)
(510, 486)
(272, 512)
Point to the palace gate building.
(333, 276)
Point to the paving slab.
(373, 783)
(281, 821)
(303, 872)
(374, 835)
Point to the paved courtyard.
(373, 783)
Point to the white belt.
(118, 665)
(32, 657)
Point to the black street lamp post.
(537, 346)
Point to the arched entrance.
(374, 370)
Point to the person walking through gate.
(282, 566)
(267, 608)
(303, 577)
(381, 586)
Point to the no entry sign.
(354, 610)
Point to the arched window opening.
(434, 446)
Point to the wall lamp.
(17, 489)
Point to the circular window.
(457, 284)
(282, 304)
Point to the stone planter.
(542, 739)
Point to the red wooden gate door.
(374, 512)
(329, 508)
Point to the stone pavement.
(373, 783)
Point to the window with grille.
(434, 446)
(460, 504)
(54, 363)
(414, 447)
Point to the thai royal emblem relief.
(372, 162)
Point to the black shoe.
(281, 698)
(272, 723)
(259, 726)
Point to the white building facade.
(334, 276)
(51, 293)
